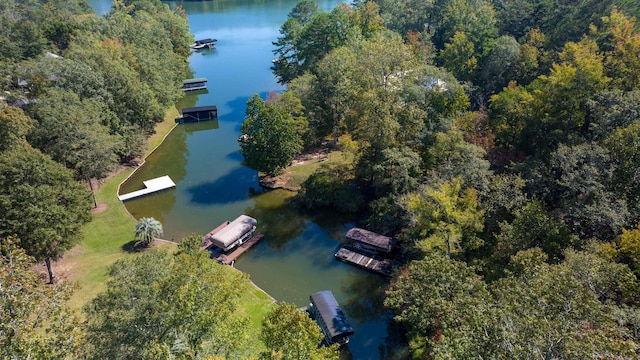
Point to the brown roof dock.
(370, 240)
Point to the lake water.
(295, 258)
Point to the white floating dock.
(151, 186)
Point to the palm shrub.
(147, 229)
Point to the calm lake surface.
(295, 258)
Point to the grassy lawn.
(110, 229)
(293, 176)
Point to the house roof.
(331, 313)
(370, 238)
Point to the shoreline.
(104, 238)
(144, 160)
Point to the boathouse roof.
(384, 243)
(197, 109)
(194, 81)
(331, 313)
(205, 41)
(234, 231)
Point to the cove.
(296, 257)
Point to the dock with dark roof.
(194, 84)
(369, 241)
(198, 113)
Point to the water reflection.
(365, 297)
(235, 156)
(231, 187)
(279, 221)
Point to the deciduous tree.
(159, 304)
(269, 138)
(444, 216)
(35, 322)
(289, 333)
(42, 204)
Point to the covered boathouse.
(194, 84)
(369, 241)
(324, 309)
(235, 233)
(198, 113)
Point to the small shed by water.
(198, 113)
(324, 308)
(370, 241)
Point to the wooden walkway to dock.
(151, 186)
(373, 263)
(230, 258)
(207, 238)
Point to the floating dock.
(207, 238)
(373, 263)
(151, 186)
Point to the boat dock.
(198, 113)
(230, 258)
(194, 84)
(373, 263)
(227, 259)
(207, 238)
(204, 43)
(151, 186)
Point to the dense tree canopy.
(498, 140)
(159, 305)
(290, 333)
(504, 134)
(34, 319)
(270, 138)
(41, 204)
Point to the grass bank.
(303, 166)
(111, 228)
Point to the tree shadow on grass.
(134, 246)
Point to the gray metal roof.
(331, 313)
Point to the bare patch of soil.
(63, 268)
(98, 209)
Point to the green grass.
(104, 237)
(293, 176)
